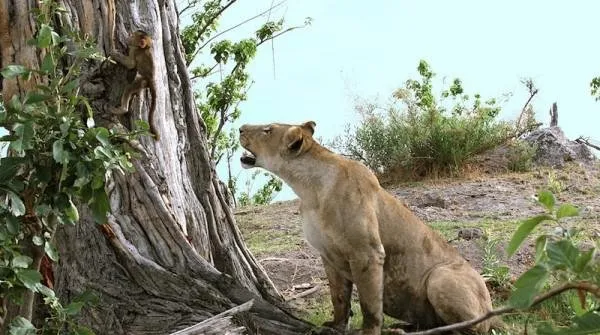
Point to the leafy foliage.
(419, 134)
(55, 162)
(493, 271)
(557, 256)
(595, 87)
(264, 195)
(520, 156)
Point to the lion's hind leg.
(457, 293)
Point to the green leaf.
(58, 152)
(566, 210)
(528, 286)
(9, 167)
(51, 251)
(102, 136)
(70, 86)
(14, 105)
(547, 199)
(34, 97)
(74, 308)
(562, 254)
(11, 71)
(24, 133)
(583, 260)
(102, 153)
(44, 38)
(48, 63)
(21, 326)
(12, 225)
(589, 323)
(21, 261)
(17, 207)
(30, 278)
(100, 206)
(46, 291)
(38, 240)
(72, 213)
(523, 231)
(540, 247)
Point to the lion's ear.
(294, 138)
(309, 126)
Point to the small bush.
(554, 184)
(264, 195)
(418, 135)
(520, 156)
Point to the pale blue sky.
(367, 49)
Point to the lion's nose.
(243, 128)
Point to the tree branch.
(532, 92)
(584, 286)
(280, 33)
(231, 28)
(303, 294)
(586, 141)
(208, 23)
(214, 323)
(189, 5)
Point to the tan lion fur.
(368, 238)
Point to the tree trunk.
(554, 115)
(171, 255)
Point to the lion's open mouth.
(248, 159)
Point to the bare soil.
(490, 204)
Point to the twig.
(277, 259)
(208, 23)
(237, 25)
(304, 293)
(586, 141)
(532, 92)
(189, 5)
(584, 286)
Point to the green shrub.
(561, 266)
(520, 156)
(264, 195)
(418, 135)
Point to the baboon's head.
(140, 39)
(270, 145)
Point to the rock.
(554, 149)
(432, 199)
(470, 233)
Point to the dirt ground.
(490, 206)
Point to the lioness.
(367, 237)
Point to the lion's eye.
(267, 130)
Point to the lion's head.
(271, 144)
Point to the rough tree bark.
(173, 255)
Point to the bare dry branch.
(221, 322)
(532, 93)
(304, 293)
(586, 141)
